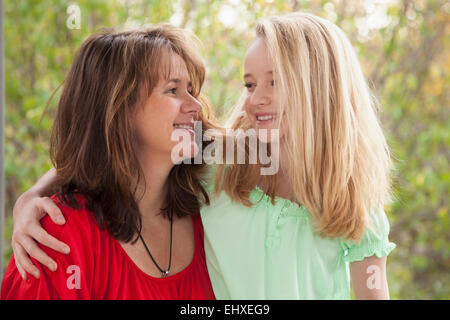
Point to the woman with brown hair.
(131, 214)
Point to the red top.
(97, 267)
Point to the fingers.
(22, 272)
(37, 253)
(30, 226)
(46, 205)
(23, 262)
(44, 238)
(27, 229)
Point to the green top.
(272, 252)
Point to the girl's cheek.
(247, 107)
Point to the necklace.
(164, 273)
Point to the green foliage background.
(402, 45)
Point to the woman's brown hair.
(92, 138)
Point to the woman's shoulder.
(73, 277)
(79, 220)
(81, 232)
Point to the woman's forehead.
(174, 68)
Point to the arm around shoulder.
(69, 279)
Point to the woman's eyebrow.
(176, 80)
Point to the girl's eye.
(272, 83)
(249, 86)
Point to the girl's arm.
(72, 279)
(369, 279)
(28, 210)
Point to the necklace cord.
(163, 272)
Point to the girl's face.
(260, 104)
(170, 109)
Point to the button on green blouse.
(272, 252)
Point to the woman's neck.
(153, 188)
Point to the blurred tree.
(402, 45)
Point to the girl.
(297, 234)
(116, 185)
(323, 210)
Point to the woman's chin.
(193, 151)
(185, 152)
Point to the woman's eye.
(172, 91)
(272, 83)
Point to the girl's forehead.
(258, 46)
(257, 56)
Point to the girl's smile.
(265, 119)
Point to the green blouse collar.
(288, 207)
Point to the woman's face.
(170, 110)
(260, 104)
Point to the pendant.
(165, 273)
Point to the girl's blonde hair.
(338, 159)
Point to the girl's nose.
(261, 96)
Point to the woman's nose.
(192, 105)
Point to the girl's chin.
(268, 135)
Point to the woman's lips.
(185, 126)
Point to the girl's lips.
(260, 114)
(264, 119)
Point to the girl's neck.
(283, 187)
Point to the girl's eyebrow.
(249, 74)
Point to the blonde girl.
(318, 223)
(322, 215)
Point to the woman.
(131, 215)
(300, 233)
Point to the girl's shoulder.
(375, 240)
